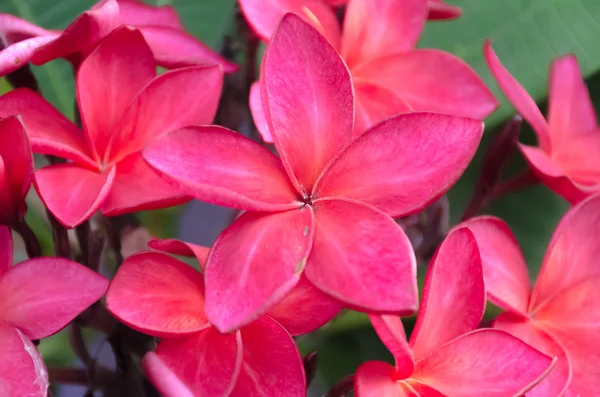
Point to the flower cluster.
(365, 129)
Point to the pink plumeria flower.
(325, 207)
(123, 106)
(38, 298)
(447, 355)
(171, 45)
(569, 141)
(378, 44)
(438, 9)
(161, 296)
(560, 316)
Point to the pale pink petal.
(560, 377)
(86, 191)
(307, 98)
(16, 29)
(17, 55)
(264, 16)
(272, 365)
(485, 362)
(256, 107)
(48, 130)
(199, 161)
(374, 104)
(137, 187)
(156, 294)
(378, 28)
(431, 80)
(361, 257)
(254, 263)
(453, 299)
(304, 309)
(572, 254)
(440, 10)
(6, 249)
(137, 13)
(15, 152)
(504, 268)
(517, 95)
(178, 247)
(206, 363)
(391, 332)
(404, 163)
(578, 156)
(379, 379)
(42, 295)
(126, 64)
(423, 390)
(22, 370)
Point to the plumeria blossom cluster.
(359, 128)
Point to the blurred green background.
(526, 34)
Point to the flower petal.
(264, 16)
(432, 81)
(307, 98)
(22, 370)
(16, 55)
(86, 193)
(304, 309)
(454, 288)
(423, 390)
(404, 163)
(16, 29)
(182, 362)
(378, 28)
(374, 104)
(156, 294)
(379, 379)
(272, 365)
(504, 268)
(391, 332)
(222, 167)
(517, 95)
(49, 131)
(6, 249)
(42, 295)
(484, 362)
(178, 247)
(136, 13)
(439, 10)
(258, 114)
(126, 64)
(137, 187)
(361, 257)
(254, 263)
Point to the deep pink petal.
(20, 53)
(404, 163)
(560, 377)
(264, 16)
(49, 131)
(391, 332)
(16, 29)
(22, 370)
(158, 295)
(40, 296)
(572, 254)
(379, 379)
(137, 187)
(577, 157)
(178, 247)
(517, 95)
(484, 362)
(453, 299)
(175, 48)
(375, 29)
(272, 365)
(126, 64)
(206, 363)
(361, 257)
(504, 268)
(137, 13)
(258, 114)
(374, 104)
(440, 10)
(307, 98)
(431, 80)
(6, 249)
(202, 162)
(82, 34)
(254, 263)
(304, 309)
(86, 193)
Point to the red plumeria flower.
(171, 45)
(38, 298)
(123, 106)
(16, 170)
(447, 355)
(569, 142)
(438, 9)
(163, 297)
(378, 44)
(327, 204)
(560, 316)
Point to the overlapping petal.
(391, 332)
(20, 53)
(163, 378)
(375, 103)
(178, 247)
(138, 13)
(438, 9)
(378, 379)
(16, 29)
(258, 114)
(6, 249)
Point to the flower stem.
(342, 388)
(32, 245)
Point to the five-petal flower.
(446, 355)
(123, 107)
(560, 316)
